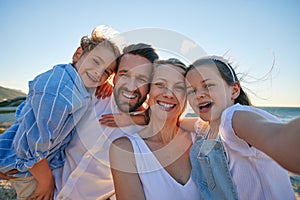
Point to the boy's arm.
(44, 125)
(45, 182)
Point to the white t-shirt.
(86, 173)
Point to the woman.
(154, 163)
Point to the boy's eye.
(97, 62)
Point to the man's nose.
(131, 84)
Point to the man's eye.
(208, 85)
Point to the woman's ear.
(236, 89)
(76, 55)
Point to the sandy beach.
(8, 193)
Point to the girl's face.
(96, 66)
(167, 97)
(208, 94)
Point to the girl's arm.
(123, 119)
(188, 123)
(279, 140)
(123, 167)
(45, 182)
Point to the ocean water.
(286, 114)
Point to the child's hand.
(116, 120)
(4, 176)
(44, 190)
(45, 182)
(106, 89)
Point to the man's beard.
(129, 108)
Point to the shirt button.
(73, 176)
(61, 197)
(37, 154)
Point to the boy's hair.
(141, 49)
(227, 73)
(88, 43)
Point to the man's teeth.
(128, 96)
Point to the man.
(86, 173)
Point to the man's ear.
(77, 55)
(236, 89)
(114, 78)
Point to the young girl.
(34, 145)
(228, 160)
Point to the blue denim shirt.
(45, 121)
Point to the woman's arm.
(279, 140)
(123, 167)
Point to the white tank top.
(157, 182)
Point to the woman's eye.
(189, 92)
(179, 88)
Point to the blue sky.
(35, 35)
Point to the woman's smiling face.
(167, 95)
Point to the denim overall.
(210, 169)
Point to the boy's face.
(96, 66)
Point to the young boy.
(45, 122)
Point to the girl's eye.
(159, 84)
